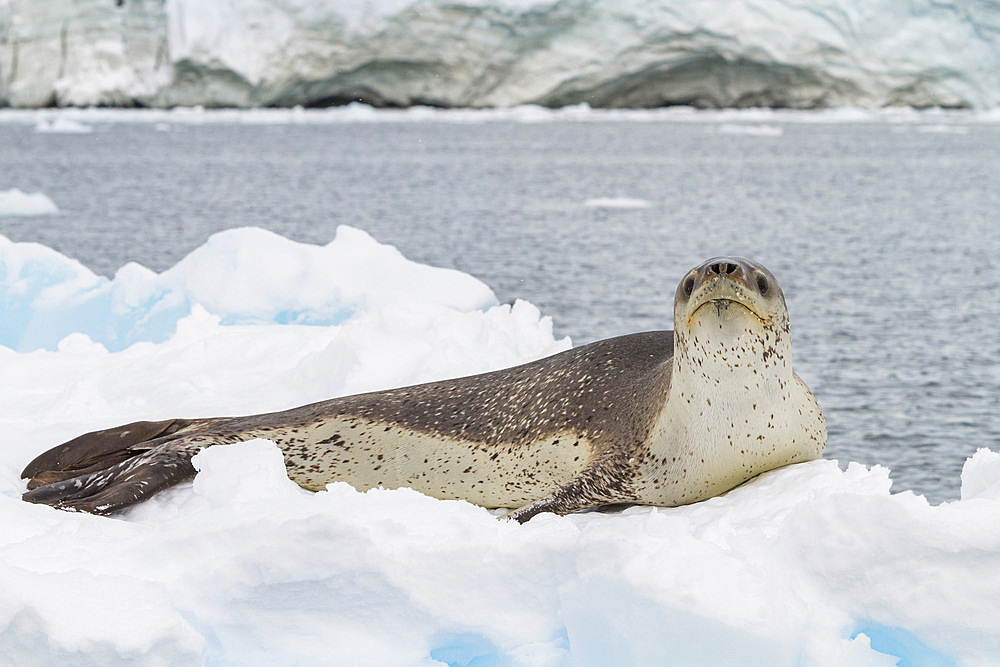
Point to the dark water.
(885, 237)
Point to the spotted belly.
(375, 454)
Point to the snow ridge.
(242, 276)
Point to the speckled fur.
(624, 420)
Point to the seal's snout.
(738, 270)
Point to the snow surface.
(809, 565)
(16, 203)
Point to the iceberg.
(500, 53)
(814, 564)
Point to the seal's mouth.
(725, 306)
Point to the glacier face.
(606, 53)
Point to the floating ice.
(16, 203)
(530, 114)
(808, 565)
(62, 125)
(616, 202)
(942, 128)
(751, 130)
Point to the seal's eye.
(689, 285)
(761, 284)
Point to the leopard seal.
(657, 418)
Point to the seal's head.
(727, 303)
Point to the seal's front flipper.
(125, 483)
(99, 450)
(602, 483)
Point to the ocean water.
(884, 232)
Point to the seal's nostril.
(723, 268)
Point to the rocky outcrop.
(606, 53)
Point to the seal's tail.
(105, 471)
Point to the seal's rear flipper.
(99, 450)
(125, 483)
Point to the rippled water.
(885, 235)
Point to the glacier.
(815, 564)
(501, 53)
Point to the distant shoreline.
(356, 112)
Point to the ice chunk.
(616, 202)
(253, 471)
(752, 130)
(62, 125)
(981, 475)
(16, 203)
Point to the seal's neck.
(726, 357)
(734, 410)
